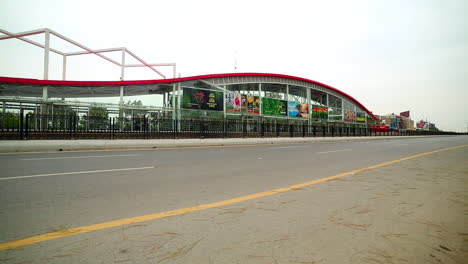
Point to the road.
(382, 214)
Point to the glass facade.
(269, 100)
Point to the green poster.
(202, 99)
(274, 107)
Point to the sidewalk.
(9, 146)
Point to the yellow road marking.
(138, 219)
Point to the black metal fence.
(34, 126)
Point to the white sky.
(392, 56)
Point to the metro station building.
(250, 97)
(245, 96)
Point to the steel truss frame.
(47, 49)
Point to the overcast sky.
(392, 56)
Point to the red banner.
(405, 114)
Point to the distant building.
(402, 121)
(425, 125)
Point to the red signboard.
(405, 114)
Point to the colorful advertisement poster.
(349, 116)
(360, 117)
(274, 107)
(296, 109)
(202, 99)
(253, 104)
(247, 103)
(319, 112)
(233, 101)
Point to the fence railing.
(34, 126)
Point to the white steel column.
(224, 101)
(46, 62)
(287, 102)
(260, 97)
(46, 54)
(3, 112)
(173, 101)
(309, 105)
(122, 76)
(179, 102)
(122, 67)
(44, 110)
(64, 68)
(342, 110)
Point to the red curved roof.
(182, 79)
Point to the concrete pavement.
(410, 212)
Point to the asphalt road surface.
(411, 211)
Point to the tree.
(98, 118)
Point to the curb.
(19, 146)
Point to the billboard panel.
(349, 116)
(319, 112)
(247, 103)
(405, 114)
(202, 99)
(274, 107)
(296, 109)
(360, 117)
(253, 104)
(233, 101)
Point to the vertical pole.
(260, 97)
(46, 54)
(309, 106)
(70, 127)
(174, 72)
(3, 112)
(110, 127)
(133, 121)
(27, 127)
(224, 101)
(122, 77)
(64, 68)
(21, 122)
(45, 77)
(328, 107)
(122, 66)
(173, 106)
(179, 103)
(287, 100)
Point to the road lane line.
(75, 172)
(138, 219)
(288, 147)
(333, 151)
(84, 157)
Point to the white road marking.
(84, 157)
(288, 147)
(75, 172)
(333, 151)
